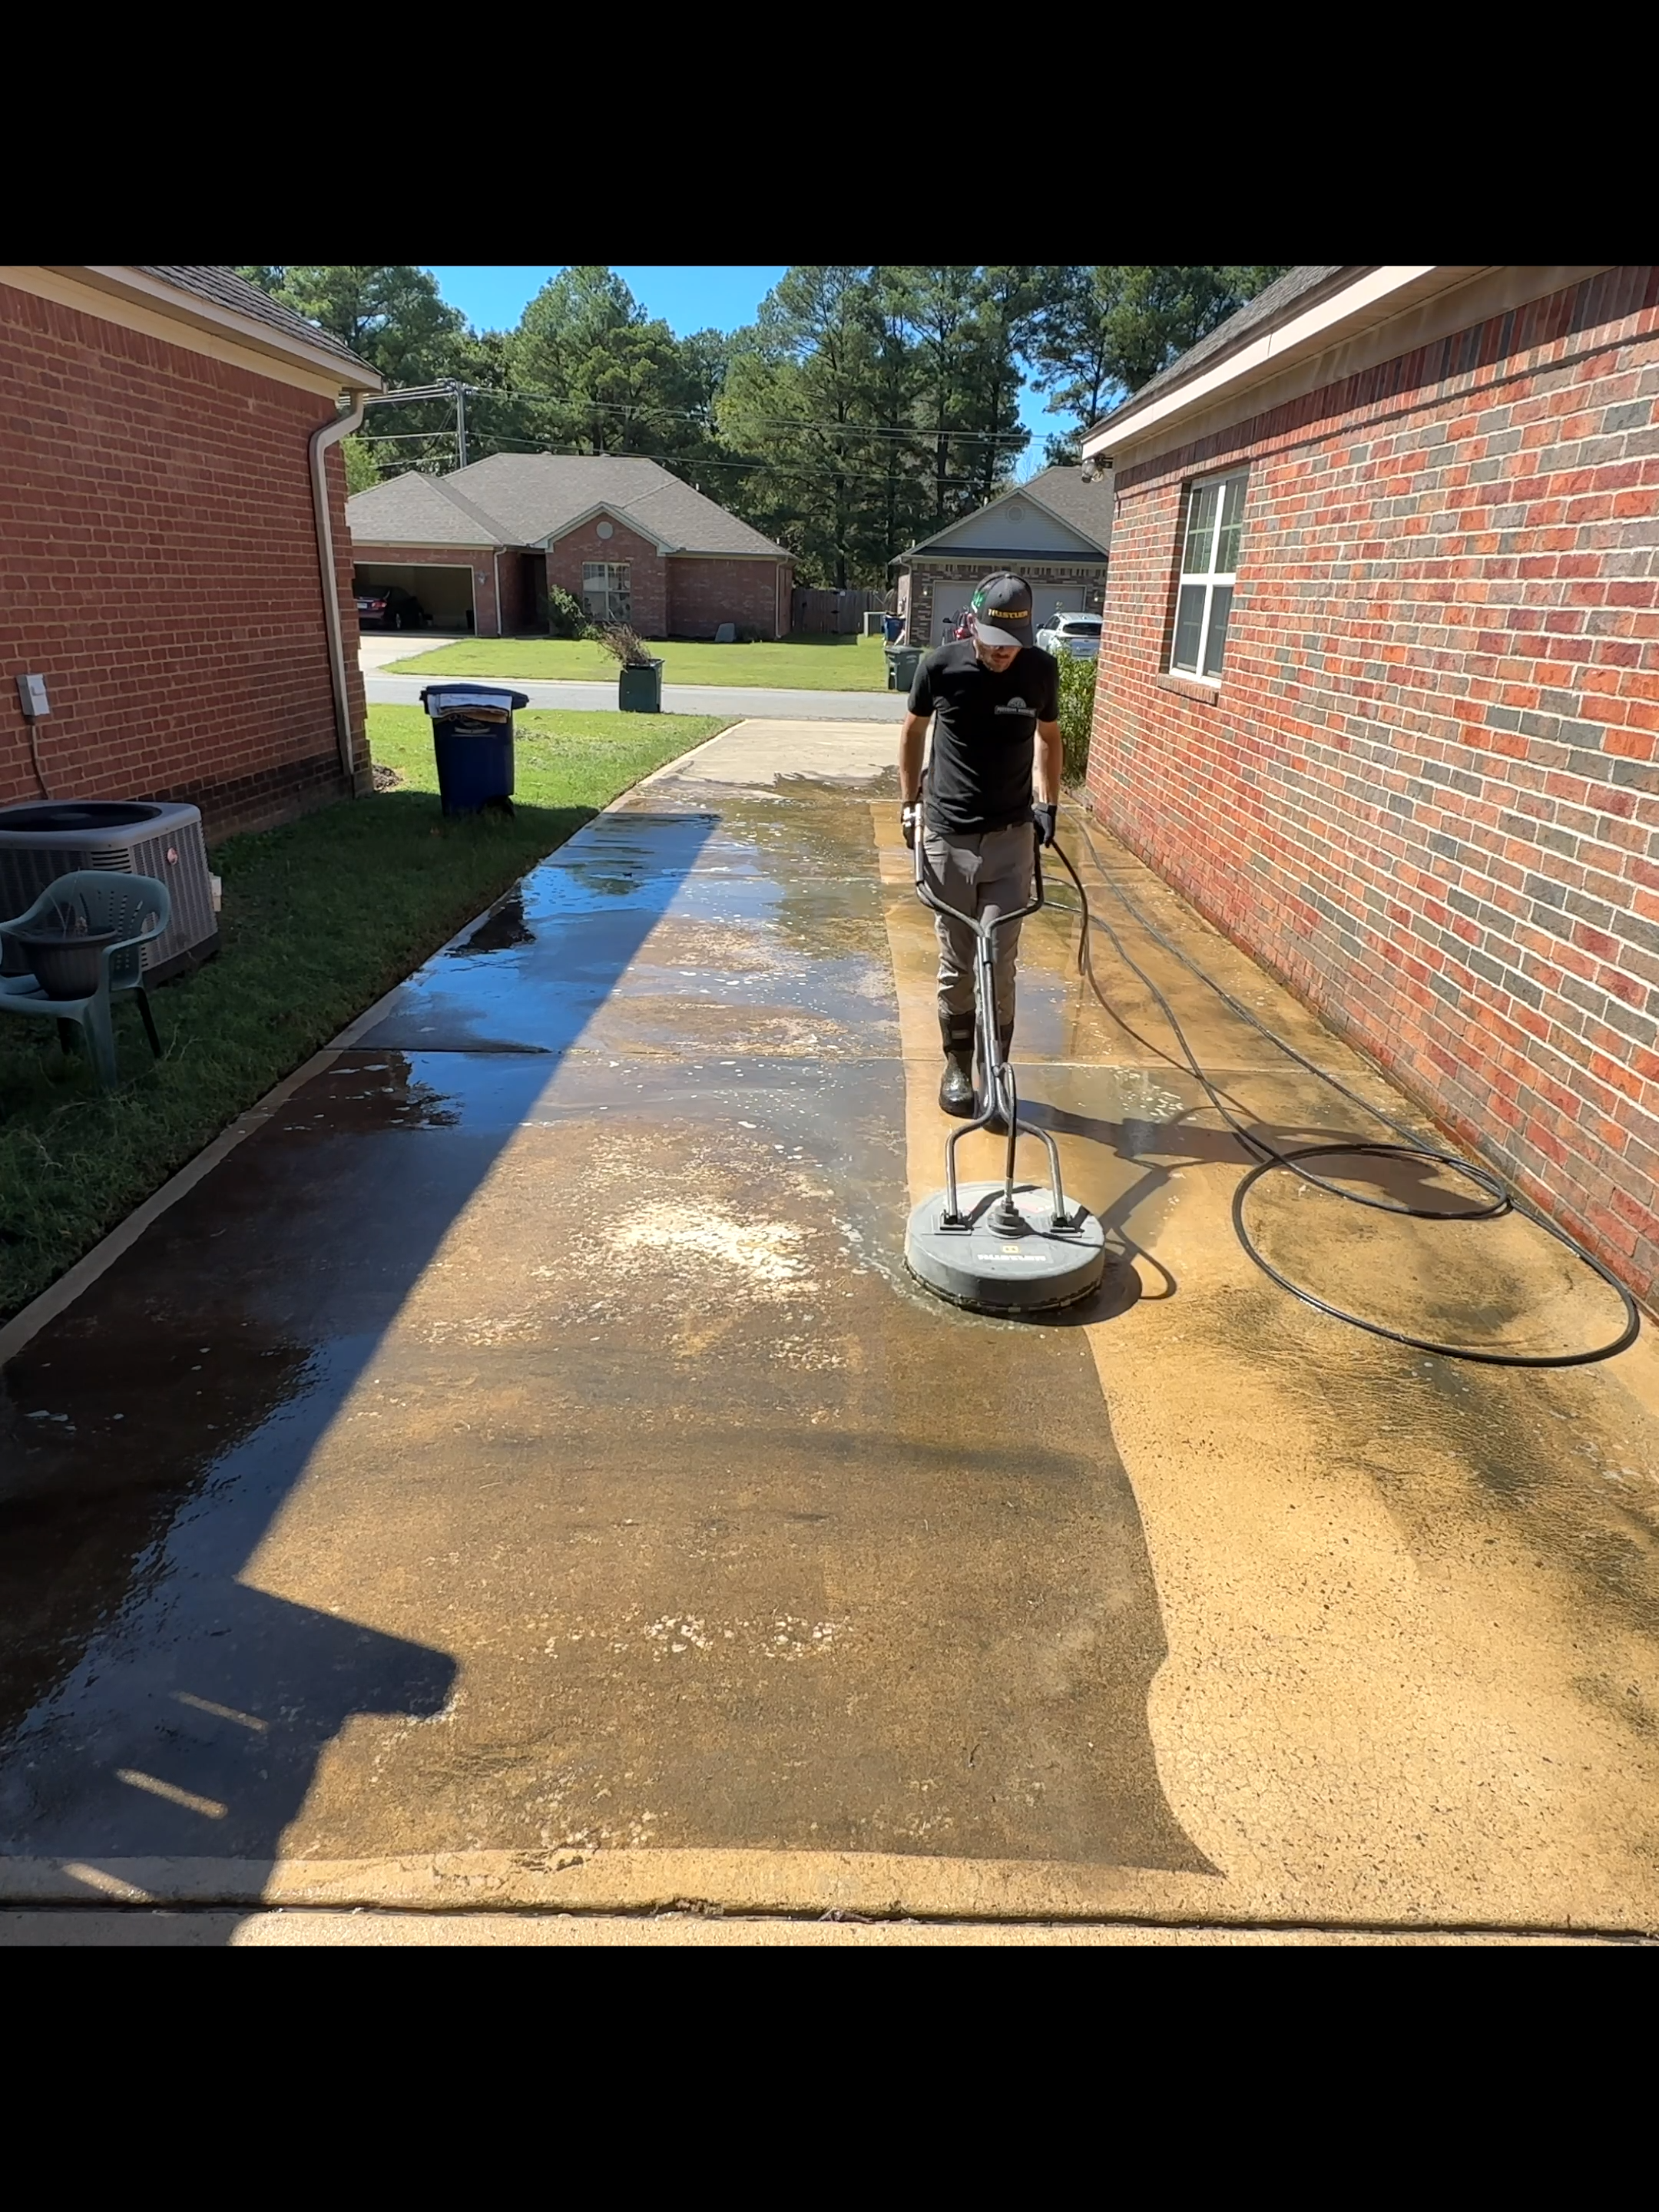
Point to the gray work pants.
(983, 876)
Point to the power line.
(645, 412)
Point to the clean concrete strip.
(787, 1885)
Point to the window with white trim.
(605, 590)
(1209, 566)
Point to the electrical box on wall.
(31, 696)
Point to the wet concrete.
(546, 1367)
(522, 1472)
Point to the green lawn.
(320, 917)
(796, 664)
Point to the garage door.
(446, 594)
(950, 603)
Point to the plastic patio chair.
(139, 908)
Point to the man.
(993, 787)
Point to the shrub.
(1077, 712)
(565, 615)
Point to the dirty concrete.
(525, 1457)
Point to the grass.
(320, 917)
(796, 664)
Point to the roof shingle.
(1269, 305)
(225, 288)
(521, 499)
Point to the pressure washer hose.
(1269, 1158)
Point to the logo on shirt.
(1015, 706)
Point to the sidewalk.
(522, 1477)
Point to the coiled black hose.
(1271, 1158)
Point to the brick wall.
(703, 592)
(158, 567)
(1427, 793)
(480, 559)
(647, 581)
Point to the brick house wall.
(1426, 794)
(704, 592)
(481, 559)
(158, 567)
(648, 570)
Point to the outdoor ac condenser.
(48, 838)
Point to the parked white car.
(1078, 635)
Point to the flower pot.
(67, 963)
(639, 690)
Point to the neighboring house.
(1379, 691)
(1056, 531)
(480, 547)
(174, 561)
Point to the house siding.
(158, 567)
(705, 592)
(1427, 794)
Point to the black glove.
(909, 819)
(1043, 816)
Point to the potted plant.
(639, 675)
(66, 956)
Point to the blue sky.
(492, 298)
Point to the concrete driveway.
(520, 1474)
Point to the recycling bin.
(472, 738)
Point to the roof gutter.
(330, 433)
(1375, 296)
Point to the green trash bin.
(902, 662)
(639, 690)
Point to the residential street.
(540, 1486)
(676, 698)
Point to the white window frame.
(1207, 578)
(607, 591)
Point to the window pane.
(1189, 621)
(594, 572)
(1200, 529)
(1232, 519)
(1221, 605)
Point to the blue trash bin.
(472, 738)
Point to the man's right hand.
(910, 818)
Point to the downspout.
(329, 434)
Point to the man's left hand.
(1045, 819)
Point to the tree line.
(864, 409)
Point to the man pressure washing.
(993, 787)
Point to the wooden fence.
(839, 614)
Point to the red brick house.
(479, 547)
(174, 560)
(1379, 691)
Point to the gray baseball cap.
(1002, 611)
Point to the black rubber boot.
(1005, 1046)
(955, 1091)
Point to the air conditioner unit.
(49, 838)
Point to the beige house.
(1057, 531)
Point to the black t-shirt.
(979, 776)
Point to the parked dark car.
(389, 606)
